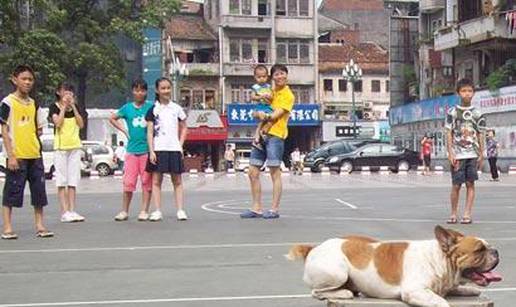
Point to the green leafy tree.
(74, 39)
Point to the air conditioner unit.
(368, 115)
(368, 104)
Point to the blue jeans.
(273, 153)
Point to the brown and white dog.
(419, 273)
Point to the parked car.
(47, 153)
(316, 158)
(374, 156)
(242, 157)
(102, 157)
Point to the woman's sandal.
(466, 220)
(452, 220)
(44, 234)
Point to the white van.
(242, 157)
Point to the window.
(357, 86)
(241, 93)
(247, 50)
(301, 93)
(234, 50)
(262, 8)
(390, 149)
(304, 7)
(304, 53)
(234, 7)
(447, 71)
(387, 86)
(281, 53)
(100, 150)
(235, 93)
(292, 7)
(343, 85)
(292, 52)
(263, 48)
(246, 7)
(185, 97)
(198, 99)
(375, 86)
(209, 96)
(371, 150)
(281, 9)
(328, 85)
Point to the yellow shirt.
(282, 99)
(23, 120)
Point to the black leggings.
(493, 168)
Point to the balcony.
(297, 73)
(472, 31)
(247, 22)
(431, 6)
(202, 69)
(300, 27)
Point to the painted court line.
(159, 247)
(346, 203)
(171, 300)
(190, 299)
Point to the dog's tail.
(298, 252)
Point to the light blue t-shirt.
(136, 126)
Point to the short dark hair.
(64, 86)
(23, 68)
(139, 83)
(121, 143)
(261, 66)
(279, 67)
(464, 83)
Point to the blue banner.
(240, 114)
(151, 58)
(423, 110)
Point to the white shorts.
(68, 167)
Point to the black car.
(315, 159)
(375, 156)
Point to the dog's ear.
(447, 237)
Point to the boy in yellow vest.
(22, 123)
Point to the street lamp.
(352, 73)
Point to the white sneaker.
(181, 215)
(77, 217)
(67, 217)
(156, 216)
(122, 216)
(143, 216)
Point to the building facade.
(254, 32)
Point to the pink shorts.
(134, 166)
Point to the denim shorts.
(467, 172)
(30, 170)
(273, 154)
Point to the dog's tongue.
(483, 279)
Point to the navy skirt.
(167, 162)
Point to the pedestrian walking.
(166, 135)
(295, 157)
(426, 152)
(67, 150)
(274, 141)
(22, 122)
(120, 153)
(492, 154)
(465, 125)
(229, 156)
(137, 151)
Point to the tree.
(86, 28)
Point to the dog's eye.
(481, 248)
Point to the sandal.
(452, 220)
(9, 236)
(44, 234)
(466, 220)
(250, 214)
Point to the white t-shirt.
(165, 118)
(295, 156)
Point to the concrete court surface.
(217, 259)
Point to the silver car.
(102, 157)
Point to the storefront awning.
(206, 125)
